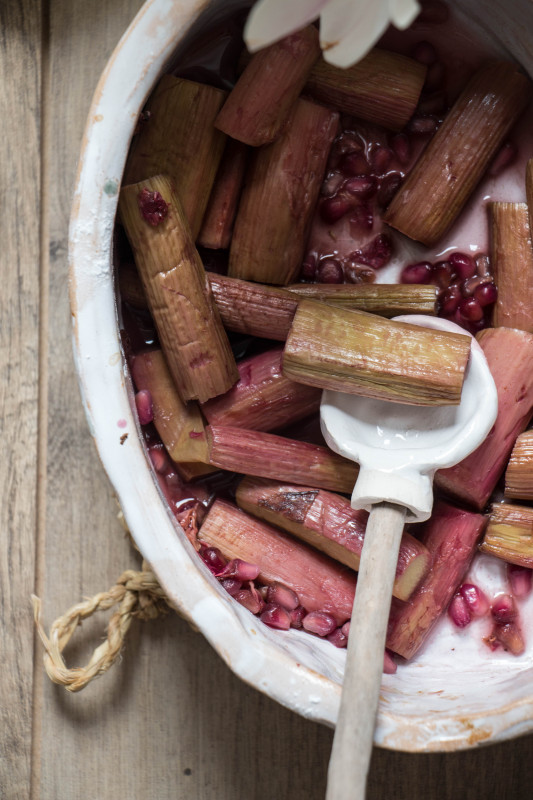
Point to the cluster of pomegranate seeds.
(153, 207)
(466, 287)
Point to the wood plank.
(20, 78)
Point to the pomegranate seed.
(213, 558)
(389, 665)
(330, 271)
(354, 164)
(346, 628)
(380, 159)
(349, 142)
(319, 622)
(503, 159)
(333, 208)
(459, 612)
(231, 585)
(503, 609)
(236, 568)
(297, 615)
(281, 595)
(449, 301)
(362, 186)
(276, 617)
(249, 601)
(510, 637)
(332, 184)
(357, 273)
(423, 126)
(442, 274)
(462, 264)
(152, 206)
(486, 294)
(471, 310)
(158, 457)
(425, 53)
(434, 77)
(388, 188)
(362, 219)
(401, 147)
(469, 286)
(520, 580)
(309, 266)
(143, 404)
(434, 103)
(417, 273)
(376, 253)
(337, 638)
(475, 599)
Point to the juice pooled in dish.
(272, 220)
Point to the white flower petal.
(272, 20)
(350, 28)
(403, 12)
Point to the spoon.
(398, 448)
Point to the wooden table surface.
(170, 720)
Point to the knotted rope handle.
(137, 594)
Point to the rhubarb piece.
(263, 399)
(193, 340)
(449, 169)
(130, 286)
(509, 534)
(358, 353)
(269, 456)
(329, 523)
(180, 426)
(451, 536)
(279, 197)
(512, 262)
(387, 300)
(179, 140)
(509, 354)
(382, 88)
(519, 473)
(319, 583)
(193, 470)
(217, 224)
(252, 308)
(529, 191)
(259, 105)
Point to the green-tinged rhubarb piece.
(519, 473)
(386, 300)
(449, 169)
(270, 456)
(359, 353)
(451, 537)
(177, 137)
(217, 224)
(281, 189)
(179, 425)
(259, 105)
(192, 337)
(509, 354)
(263, 399)
(328, 522)
(512, 262)
(383, 88)
(320, 583)
(509, 534)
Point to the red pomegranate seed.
(330, 271)
(503, 609)
(333, 208)
(376, 253)
(425, 53)
(486, 294)
(449, 300)
(362, 186)
(357, 273)
(143, 404)
(503, 159)
(469, 286)
(283, 596)
(471, 310)
(214, 559)
(276, 617)
(346, 628)
(401, 147)
(462, 264)
(423, 125)
(520, 580)
(434, 77)
(236, 568)
(510, 637)
(159, 459)
(354, 164)
(417, 273)
(362, 219)
(309, 266)
(388, 188)
(442, 274)
(319, 622)
(153, 207)
(380, 159)
(389, 665)
(337, 638)
(249, 601)
(297, 616)
(475, 599)
(231, 585)
(459, 612)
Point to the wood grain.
(170, 720)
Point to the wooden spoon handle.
(354, 734)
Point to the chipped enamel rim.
(438, 702)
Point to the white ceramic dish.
(454, 695)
